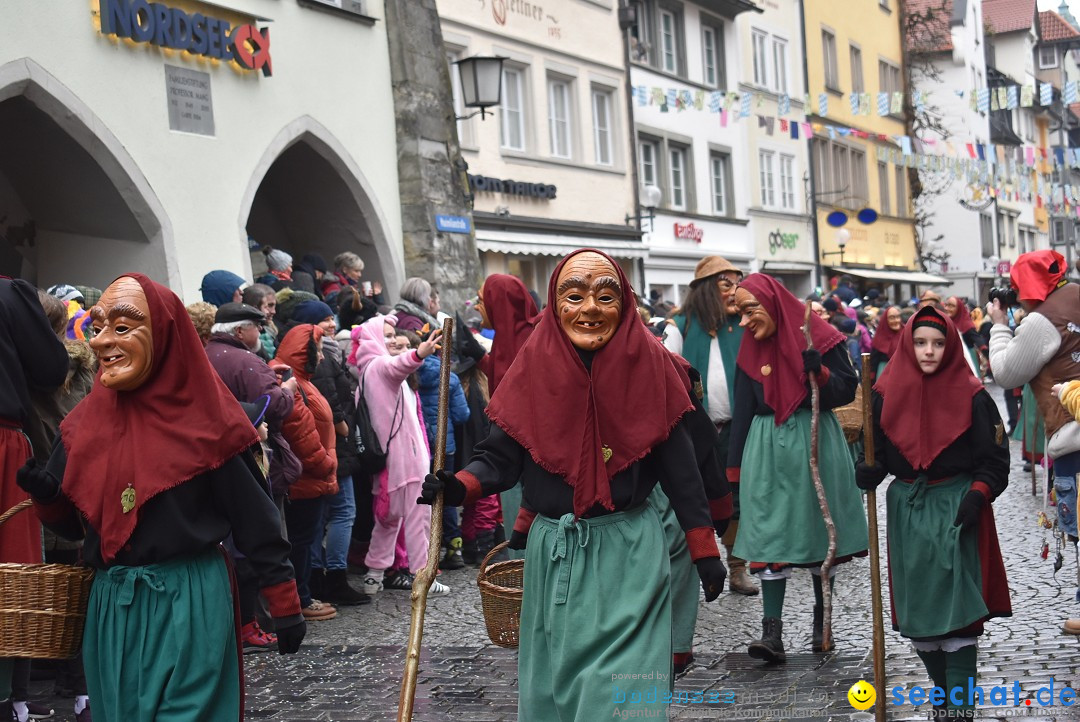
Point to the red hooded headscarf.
(885, 339)
(962, 319)
(1037, 273)
(564, 415)
(512, 314)
(781, 354)
(181, 422)
(922, 414)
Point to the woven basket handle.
(483, 565)
(25, 504)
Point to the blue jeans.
(1066, 469)
(337, 519)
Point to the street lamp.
(481, 83)
(842, 237)
(650, 199)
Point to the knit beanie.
(277, 260)
(311, 312)
(65, 293)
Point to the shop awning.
(873, 274)
(499, 242)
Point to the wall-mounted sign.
(159, 24)
(778, 240)
(191, 107)
(1004, 268)
(689, 232)
(486, 184)
(453, 224)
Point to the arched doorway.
(74, 207)
(309, 196)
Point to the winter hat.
(314, 261)
(277, 260)
(830, 305)
(931, 320)
(233, 312)
(90, 295)
(311, 312)
(66, 293)
(218, 287)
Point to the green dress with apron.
(1030, 430)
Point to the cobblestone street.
(350, 668)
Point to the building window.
(889, 77)
(986, 234)
(761, 70)
(780, 65)
(559, 118)
(766, 158)
(512, 110)
(860, 188)
(828, 52)
(857, 84)
(677, 178)
(669, 49)
(601, 107)
(901, 192)
(1048, 56)
(720, 193)
(647, 156)
(883, 189)
(641, 34)
(840, 174)
(787, 182)
(712, 55)
(823, 176)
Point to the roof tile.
(1005, 16)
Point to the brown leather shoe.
(1071, 626)
(738, 580)
(318, 611)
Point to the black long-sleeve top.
(839, 389)
(982, 450)
(30, 353)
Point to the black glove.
(290, 637)
(811, 360)
(868, 477)
(518, 539)
(36, 481)
(444, 481)
(720, 525)
(970, 508)
(713, 573)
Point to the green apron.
(934, 569)
(1030, 429)
(596, 610)
(781, 518)
(684, 577)
(160, 643)
(511, 502)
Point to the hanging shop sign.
(168, 27)
(689, 232)
(487, 184)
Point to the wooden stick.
(875, 554)
(830, 527)
(424, 578)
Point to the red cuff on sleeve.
(721, 508)
(282, 599)
(823, 376)
(702, 543)
(983, 488)
(733, 474)
(524, 520)
(473, 491)
(56, 511)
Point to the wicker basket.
(501, 587)
(851, 417)
(42, 606)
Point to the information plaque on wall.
(191, 108)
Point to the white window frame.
(603, 145)
(767, 177)
(710, 56)
(787, 181)
(669, 42)
(780, 65)
(1053, 62)
(677, 189)
(648, 162)
(760, 50)
(719, 169)
(830, 61)
(560, 129)
(511, 118)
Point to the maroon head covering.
(1036, 273)
(776, 362)
(181, 422)
(922, 414)
(588, 426)
(885, 339)
(512, 313)
(962, 319)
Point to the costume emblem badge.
(127, 499)
(1000, 433)
(766, 369)
(606, 451)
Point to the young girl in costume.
(886, 339)
(781, 524)
(939, 433)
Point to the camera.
(1006, 295)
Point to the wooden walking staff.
(830, 527)
(424, 578)
(875, 555)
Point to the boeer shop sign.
(158, 24)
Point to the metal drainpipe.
(819, 273)
(629, 93)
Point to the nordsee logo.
(452, 224)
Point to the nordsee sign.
(453, 224)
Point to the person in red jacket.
(310, 432)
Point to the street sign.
(453, 224)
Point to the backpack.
(370, 453)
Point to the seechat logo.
(158, 24)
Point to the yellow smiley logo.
(862, 695)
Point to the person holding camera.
(1044, 350)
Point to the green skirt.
(160, 643)
(685, 582)
(1030, 429)
(934, 568)
(781, 518)
(595, 619)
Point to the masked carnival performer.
(885, 340)
(939, 433)
(589, 417)
(153, 470)
(782, 525)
